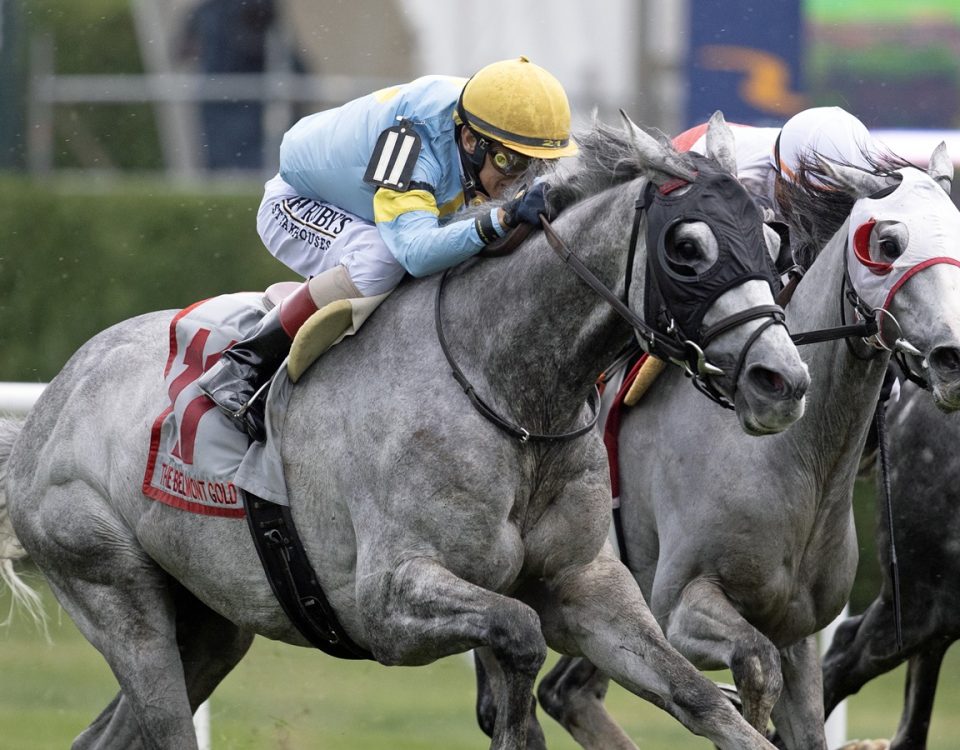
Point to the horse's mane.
(607, 158)
(816, 206)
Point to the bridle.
(670, 344)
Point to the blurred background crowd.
(194, 88)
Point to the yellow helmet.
(520, 105)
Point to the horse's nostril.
(777, 385)
(945, 359)
(768, 380)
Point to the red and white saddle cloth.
(196, 454)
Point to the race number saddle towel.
(198, 459)
(195, 452)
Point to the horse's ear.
(852, 180)
(941, 167)
(663, 162)
(662, 138)
(721, 146)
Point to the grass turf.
(286, 698)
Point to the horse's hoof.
(867, 745)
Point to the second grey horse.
(746, 548)
(431, 530)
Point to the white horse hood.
(932, 236)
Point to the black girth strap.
(293, 581)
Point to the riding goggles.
(507, 162)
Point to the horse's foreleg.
(490, 685)
(573, 694)
(798, 715)
(923, 671)
(597, 610)
(419, 611)
(707, 629)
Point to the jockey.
(366, 192)
(768, 157)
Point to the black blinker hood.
(716, 198)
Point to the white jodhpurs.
(311, 236)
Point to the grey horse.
(924, 482)
(431, 530)
(746, 548)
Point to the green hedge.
(75, 262)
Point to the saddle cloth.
(197, 459)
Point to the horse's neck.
(538, 330)
(845, 387)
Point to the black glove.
(526, 206)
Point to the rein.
(880, 420)
(521, 433)
(864, 329)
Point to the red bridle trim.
(861, 248)
(916, 269)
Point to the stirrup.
(242, 411)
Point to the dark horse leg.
(863, 647)
(923, 671)
(489, 685)
(210, 647)
(572, 694)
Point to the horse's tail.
(10, 547)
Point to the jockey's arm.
(409, 224)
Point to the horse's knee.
(420, 611)
(845, 634)
(757, 664)
(515, 637)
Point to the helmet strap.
(472, 163)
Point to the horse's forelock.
(607, 157)
(815, 205)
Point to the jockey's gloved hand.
(526, 206)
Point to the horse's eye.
(890, 248)
(690, 248)
(685, 251)
(892, 238)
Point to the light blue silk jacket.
(324, 156)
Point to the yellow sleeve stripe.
(389, 204)
(385, 95)
(454, 204)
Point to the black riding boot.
(243, 369)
